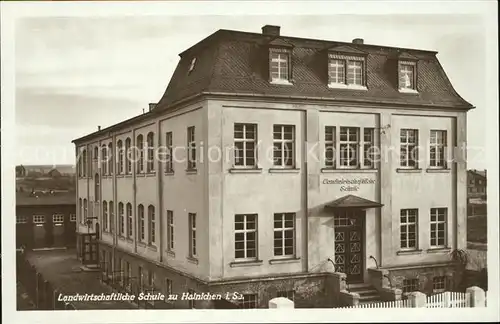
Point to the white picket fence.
(448, 299)
(388, 304)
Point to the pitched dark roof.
(235, 62)
(351, 201)
(45, 199)
(481, 173)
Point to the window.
(151, 278)
(85, 163)
(140, 212)
(169, 165)
(438, 227)
(151, 225)
(38, 219)
(140, 148)
(249, 301)
(369, 156)
(438, 149)
(72, 217)
(279, 65)
(119, 147)
(330, 146)
(168, 286)
(111, 217)
(290, 294)
(119, 266)
(58, 218)
(410, 285)
(97, 191)
(245, 139)
(407, 76)
(191, 144)
(110, 159)
(140, 276)
(105, 220)
(170, 230)
(128, 275)
(192, 235)
(355, 73)
(336, 71)
(284, 146)
(150, 166)
(104, 161)
(80, 209)
(408, 229)
(21, 219)
(191, 303)
(349, 141)
(439, 284)
(128, 156)
(245, 237)
(191, 66)
(408, 148)
(85, 210)
(129, 220)
(121, 221)
(284, 234)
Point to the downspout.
(159, 174)
(116, 204)
(133, 161)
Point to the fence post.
(447, 298)
(281, 302)
(417, 299)
(477, 296)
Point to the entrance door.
(349, 234)
(89, 249)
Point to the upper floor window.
(142, 225)
(192, 235)
(407, 76)
(150, 166)
(346, 70)
(104, 159)
(151, 225)
(245, 140)
(170, 230)
(408, 229)
(105, 220)
(330, 134)
(111, 217)
(438, 227)
(437, 149)
(119, 147)
(121, 219)
(370, 154)
(279, 65)
(140, 149)
(129, 220)
(409, 148)
(128, 157)
(284, 146)
(348, 145)
(191, 144)
(284, 234)
(110, 159)
(245, 237)
(169, 165)
(84, 163)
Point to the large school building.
(271, 162)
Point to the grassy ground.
(477, 229)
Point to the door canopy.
(352, 201)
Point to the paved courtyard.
(63, 270)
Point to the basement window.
(410, 285)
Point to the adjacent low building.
(45, 219)
(282, 160)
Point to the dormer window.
(346, 71)
(279, 65)
(191, 66)
(407, 76)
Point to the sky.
(73, 74)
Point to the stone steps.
(367, 293)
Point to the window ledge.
(245, 170)
(284, 170)
(250, 263)
(281, 82)
(140, 174)
(409, 252)
(170, 253)
(404, 90)
(402, 170)
(142, 244)
(129, 240)
(152, 174)
(437, 170)
(439, 250)
(152, 247)
(191, 171)
(169, 173)
(284, 260)
(346, 86)
(119, 175)
(121, 238)
(192, 260)
(334, 170)
(128, 176)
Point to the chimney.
(358, 41)
(271, 30)
(152, 106)
(98, 128)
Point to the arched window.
(96, 187)
(80, 210)
(105, 216)
(110, 159)
(151, 151)
(96, 153)
(104, 161)
(121, 219)
(85, 210)
(140, 148)
(119, 149)
(111, 217)
(141, 227)
(151, 225)
(84, 163)
(128, 158)
(129, 220)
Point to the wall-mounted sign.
(349, 184)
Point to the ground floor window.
(192, 303)
(72, 217)
(21, 219)
(410, 285)
(58, 218)
(439, 284)
(248, 301)
(290, 294)
(38, 219)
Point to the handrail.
(376, 262)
